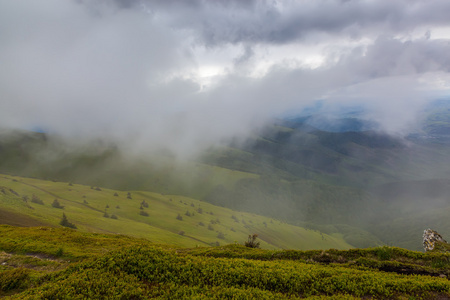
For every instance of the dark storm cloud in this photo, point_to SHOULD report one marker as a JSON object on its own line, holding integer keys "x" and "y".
{"x": 218, "y": 22}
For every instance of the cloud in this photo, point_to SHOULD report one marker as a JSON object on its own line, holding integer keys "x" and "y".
{"x": 132, "y": 71}
{"x": 274, "y": 22}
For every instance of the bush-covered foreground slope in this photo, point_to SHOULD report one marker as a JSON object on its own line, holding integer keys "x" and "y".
{"x": 56, "y": 263}
{"x": 158, "y": 217}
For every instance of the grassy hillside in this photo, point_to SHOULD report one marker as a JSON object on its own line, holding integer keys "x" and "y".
{"x": 160, "y": 218}
{"x": 56, "y": 263}
{"x": 302, "y": 176}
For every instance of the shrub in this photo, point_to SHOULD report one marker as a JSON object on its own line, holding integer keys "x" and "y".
{"x": 59, "y": 252}
{"x": 221, "y": 235}
{"x": 187, "y": 213}
{"x": 251, "y": 242}
{"x": 114, "y": 217}
{"x": 65, "y": 222}
{"x": 129, "y": 195}
{"x": 116, "y": 195}
{"x": 105, "y": 215}
{"x": 37, "y": 200}
{"x": 210, "y": 227}
{"x": 56, "y": 204}
{"x": 200, "y": 210}
{"x": 181, "y": 232}
{"x": 143, "y": 213}
{"x": 14, "y": 192}
{"x": 201, "y": 224}
{"x": 179, "y": 217}
{"x": 144, "y": 204}
{"x": 13, "y": 279}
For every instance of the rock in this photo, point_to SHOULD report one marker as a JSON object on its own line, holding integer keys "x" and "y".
{"x": 430, "y": 237}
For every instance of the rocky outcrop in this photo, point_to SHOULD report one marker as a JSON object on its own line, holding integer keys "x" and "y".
{"x": 430, "y": 238}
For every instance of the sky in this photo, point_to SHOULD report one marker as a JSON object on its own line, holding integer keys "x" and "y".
{"x": 185, "y": 75}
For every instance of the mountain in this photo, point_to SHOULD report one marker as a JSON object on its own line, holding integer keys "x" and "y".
{"x": 361, "y": 185}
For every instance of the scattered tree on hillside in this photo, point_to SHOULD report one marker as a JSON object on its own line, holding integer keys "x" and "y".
{"x": 187, "y": 213}
{"x": 221, "y": 235}
{"x": 143, "y": 213}
{"x": 105, "y": 215}
{"x": 114, "y": 217}
{"x": 179, "y": 217}
{"x": 56, "y": 204}
{"x": 65, "y": 222}
{"x": 144, "y": 204}
{"x": 251, "y": 242}
{"x": 116, "y": 195}
{"x": 129, "y": 195}
{"x": 37, "y": 200}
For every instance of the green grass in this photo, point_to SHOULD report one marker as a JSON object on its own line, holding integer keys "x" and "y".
{"x": 105, "y": 266}
{"x": 202, "y": 224}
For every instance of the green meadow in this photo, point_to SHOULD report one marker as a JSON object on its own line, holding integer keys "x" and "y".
{"x": 160, "y": 218}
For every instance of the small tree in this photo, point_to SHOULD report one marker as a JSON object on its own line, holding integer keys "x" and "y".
{"x": 56, "y": 204}
{"x": 37, "y": 200}
{"x": 129, "y": 195}
{"x": 65, "y": 222}
{"x": 251, "y": 242}
{"x": 179, "y": 217}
